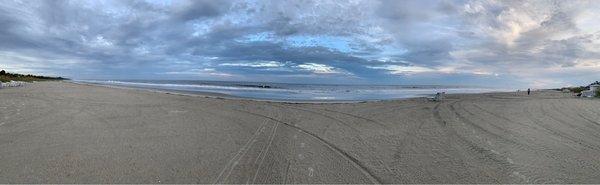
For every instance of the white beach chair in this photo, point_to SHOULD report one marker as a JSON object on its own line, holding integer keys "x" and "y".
{"x": 16, "y": 84}
{"x": 11, "y": 84}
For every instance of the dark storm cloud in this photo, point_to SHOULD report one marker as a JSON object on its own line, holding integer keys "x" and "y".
{"x": 200, "y": 9}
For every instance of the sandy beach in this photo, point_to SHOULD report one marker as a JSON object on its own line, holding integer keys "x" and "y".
{"x": 59, "y": 132}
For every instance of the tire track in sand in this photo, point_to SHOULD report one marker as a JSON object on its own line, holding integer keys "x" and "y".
{"x": 563, "y": 135}
{"x": 379, "y": 162}
{"x": 486, "y": 155}
{"x": 229, "y": 167}
{"x": 264, "y": 153}
{"x": 355, "y": 162}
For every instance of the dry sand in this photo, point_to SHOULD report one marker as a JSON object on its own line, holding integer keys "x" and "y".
{"x": 58, "y": 132}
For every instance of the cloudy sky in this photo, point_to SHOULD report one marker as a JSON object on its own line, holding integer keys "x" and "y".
{"x": 490, "y": 43}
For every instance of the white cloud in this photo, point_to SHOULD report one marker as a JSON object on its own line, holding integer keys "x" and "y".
{"x": 200, "y": 72}
{"x": 398, "y": 69}
{"x": 263, "y": 64}
{"x": 319, "y": 68}
{"x": 36, "y": 63}
{"x": 100, "y": 42}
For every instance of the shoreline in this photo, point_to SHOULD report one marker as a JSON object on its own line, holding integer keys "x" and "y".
{"x": 232, "y": 97}
{"x": 221, "y": 95}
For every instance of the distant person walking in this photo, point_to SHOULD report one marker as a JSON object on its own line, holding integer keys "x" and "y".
{"x": 528, "y": 91}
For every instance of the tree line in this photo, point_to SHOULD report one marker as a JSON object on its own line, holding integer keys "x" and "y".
{"x": 7, "y": 77}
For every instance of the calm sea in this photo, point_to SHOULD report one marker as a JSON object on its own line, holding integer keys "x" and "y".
{"x": 296, "y": 92}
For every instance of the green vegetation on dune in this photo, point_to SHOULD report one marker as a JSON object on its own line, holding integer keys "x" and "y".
{"x": 577, "y": 89}
{"x": 7, "y": 77}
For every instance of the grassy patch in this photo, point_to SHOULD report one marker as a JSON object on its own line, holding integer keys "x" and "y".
{"x": 577, "y": 89}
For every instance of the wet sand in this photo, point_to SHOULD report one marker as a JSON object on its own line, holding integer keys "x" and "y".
{"x": 58, "y": 132}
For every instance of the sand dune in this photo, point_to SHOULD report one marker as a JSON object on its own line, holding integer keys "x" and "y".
{"x": 57, "y": 132}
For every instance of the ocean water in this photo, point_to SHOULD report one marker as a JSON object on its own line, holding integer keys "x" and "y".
{"x": 294, "y": 92}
